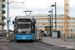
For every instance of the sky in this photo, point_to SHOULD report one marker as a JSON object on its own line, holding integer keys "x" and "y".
{"x": 37, "y": 6}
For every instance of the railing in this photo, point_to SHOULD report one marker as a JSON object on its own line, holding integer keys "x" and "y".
{"x": 11, "y": 37}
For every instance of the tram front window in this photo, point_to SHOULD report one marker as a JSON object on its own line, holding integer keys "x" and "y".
{"x": 24, "y": 27}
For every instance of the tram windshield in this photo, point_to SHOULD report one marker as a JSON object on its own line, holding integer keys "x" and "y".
{"x": 24, "y": 26}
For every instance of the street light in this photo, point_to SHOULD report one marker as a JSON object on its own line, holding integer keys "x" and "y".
{"x": 8, "y": 14}
{"x": 50, "y": 23}
{"x": 52, "y": 17}
{"x": 55, "y": 14}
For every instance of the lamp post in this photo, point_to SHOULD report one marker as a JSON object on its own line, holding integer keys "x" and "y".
{"x": 50, "y": 23}
{"x": 55, "y": 15}
{"x": 52, "y": 17}
{"x": 8, "y": 14}
{"x": 8, "y": 17}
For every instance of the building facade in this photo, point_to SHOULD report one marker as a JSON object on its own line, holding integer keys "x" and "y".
{"x": 43, "y": 20}
{"x": 2, "y": 17}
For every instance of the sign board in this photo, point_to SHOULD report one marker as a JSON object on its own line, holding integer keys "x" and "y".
{"x": 54, "y": 34}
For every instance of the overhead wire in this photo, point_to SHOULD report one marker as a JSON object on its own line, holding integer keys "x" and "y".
{"x": 24, "y": 5}
{"x": 9, "y": 2}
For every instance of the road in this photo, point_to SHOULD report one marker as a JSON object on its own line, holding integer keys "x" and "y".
{"x": 2, "y": 40}
{"x": 27, "y": 45}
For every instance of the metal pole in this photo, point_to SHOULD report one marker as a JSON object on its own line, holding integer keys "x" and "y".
{"x": 8, "y": 17}
{"x": 50, "y": 24}
{"x": 64, "y": 37}
{"x": 55, "y": 18}
{"x": 2, "y": 27}
{"x": 52, "y": 18}
{"x": 71, "y": 29}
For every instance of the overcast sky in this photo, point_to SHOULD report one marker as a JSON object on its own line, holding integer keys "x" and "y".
{"x": 38, "y": 7}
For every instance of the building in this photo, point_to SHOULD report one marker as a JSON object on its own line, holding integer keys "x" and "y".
{"x": 42, "y": 21}
{"x": 2, "y": 17}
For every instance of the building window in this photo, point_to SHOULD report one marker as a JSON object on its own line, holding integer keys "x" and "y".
{"x": 69, "y": 27}
{"x": 0, "y": 18}
{"x": 58, "y": 20}
{"x": 48, "y": 24}
{"x": 40, "y": 20}
{"x": 61, "y": 27}
{"x": 69, "y": 24}
{"x": 53, "y": 23}
{"x": 58, "y": 24}
{"x": 61, "y": 23}
{"x": 43, "y": 27}
{"x": 43, "y": 20}
{"x": 61, "y": 20}
{"x": 40, "y": 24}
{"x": 72, "y": 27}
{"x": 53, "y": 20}
{"x": 37, "y": 24}
{"x": 72, "y": 20}
{"x": 72, "y": 23}
{"x": 0, "y": 12}
{"x": 40, "y": 27}
{"x": 44, "y": 24}
{"x": 0, "y": 26}
{"x": 73, "y": 31}
{"x": 37, "y": 20}
{"x": 53, "y": 27}
{"x": 0, "y": 6}
{"x": 58, "y": 27}
{"x": 47, "y": 21}
{"x": 61, "y": 30}
{"x": 37, "y": 27}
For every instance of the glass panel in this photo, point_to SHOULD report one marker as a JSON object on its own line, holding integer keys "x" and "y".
{"x": 43, "y": 20}
{"x": 24, "y": 26}
{"x": 72, "y": 23}
{"x": 61, "y": 23}
{"x": 72, "y": 20}
{"x": 53, "y": 20}
{"x": 44, "y": 24}
{"x": 37, "y": 21}
{"x": 58, "y": 24}
{"x": 61, "y": 20}
{"x": 40, "y": 24}
{"x": 40, "y": 20}
{"x": 58, "y": 27}
{"x": 58, "y": 20}
{"x": 47, "y": 21}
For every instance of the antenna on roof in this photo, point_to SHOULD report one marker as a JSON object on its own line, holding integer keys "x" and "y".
{"x": 28, "y": 12}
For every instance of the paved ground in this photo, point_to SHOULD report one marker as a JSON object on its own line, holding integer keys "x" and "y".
{"x": 32, "y": 46}
{"x": 58, "y": 42}
{"x": 2, "y": 37}
{"x": 70, "y": 40}
{"x": 2, "y": 40}
{"x": 28, "y": 45}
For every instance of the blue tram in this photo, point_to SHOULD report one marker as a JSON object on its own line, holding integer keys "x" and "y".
{"x": 24, "y": 28}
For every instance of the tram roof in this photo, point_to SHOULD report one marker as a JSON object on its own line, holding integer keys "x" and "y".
{"x": 22, "y": 17}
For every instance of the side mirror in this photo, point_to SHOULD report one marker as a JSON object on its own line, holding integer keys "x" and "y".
{"x": 13, "y": 22}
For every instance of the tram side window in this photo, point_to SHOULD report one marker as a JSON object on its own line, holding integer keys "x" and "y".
{"x": 15, "y": 28}
{"x": 33, "y": 28}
